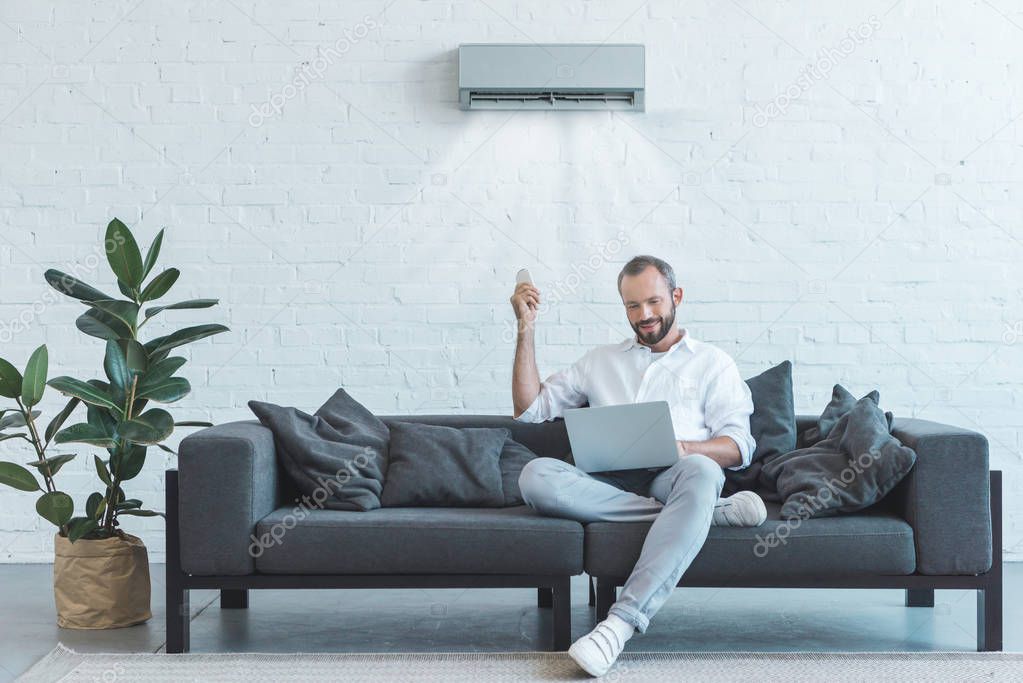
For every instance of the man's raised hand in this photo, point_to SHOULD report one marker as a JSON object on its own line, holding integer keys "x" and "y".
{"x": 525, "y": 301}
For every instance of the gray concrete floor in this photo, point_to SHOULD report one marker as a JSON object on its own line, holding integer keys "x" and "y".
{"x": 507, "y": 620}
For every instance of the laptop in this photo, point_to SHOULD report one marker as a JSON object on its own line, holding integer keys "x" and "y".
{"x": 623, "y": 437}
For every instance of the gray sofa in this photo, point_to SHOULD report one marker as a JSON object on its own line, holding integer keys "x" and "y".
{"x": 232, "y": 525}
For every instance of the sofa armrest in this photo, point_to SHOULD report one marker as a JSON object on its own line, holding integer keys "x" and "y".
{"x": 946, "y": 497}
{"x": 228, "y": 481}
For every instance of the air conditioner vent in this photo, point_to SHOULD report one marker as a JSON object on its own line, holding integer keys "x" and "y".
{"x": 551, "y": 76}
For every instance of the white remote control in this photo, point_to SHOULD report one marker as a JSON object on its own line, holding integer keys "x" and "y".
{"x": 523, "y": 276}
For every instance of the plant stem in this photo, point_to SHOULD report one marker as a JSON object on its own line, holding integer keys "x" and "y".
{"x": 44, "y": 468}
{"x": 131, "y": 397}
{"x": 108, "y": 523}
{"x": 115, "y": 482}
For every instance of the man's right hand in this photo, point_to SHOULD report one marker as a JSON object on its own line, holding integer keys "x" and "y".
{"x": 525, "y": 301}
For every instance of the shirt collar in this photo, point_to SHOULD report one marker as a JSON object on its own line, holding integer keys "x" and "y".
{"x": 686, "y": 341}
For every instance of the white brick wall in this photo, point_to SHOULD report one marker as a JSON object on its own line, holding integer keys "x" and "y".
{"x": 366, "y": 234}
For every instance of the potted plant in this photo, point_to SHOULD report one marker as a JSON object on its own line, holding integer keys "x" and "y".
{"x": 101, "y": 573}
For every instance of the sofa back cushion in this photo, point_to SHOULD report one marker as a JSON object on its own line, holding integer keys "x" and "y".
{"x": 773, "y": 422}
{"x": 438, "y": 466}
{"x": 773, "y": 425}
{"x": 514, "y": 457}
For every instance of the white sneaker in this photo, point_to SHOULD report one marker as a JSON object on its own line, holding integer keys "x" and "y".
{"x": 745, "y": 508}
{"x": 597, "y": 651}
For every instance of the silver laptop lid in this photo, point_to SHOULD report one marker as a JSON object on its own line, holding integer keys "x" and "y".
{"x": 622, "y": 437}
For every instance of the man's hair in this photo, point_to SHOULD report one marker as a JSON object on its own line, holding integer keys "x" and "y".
{"x": 637, "y": 264}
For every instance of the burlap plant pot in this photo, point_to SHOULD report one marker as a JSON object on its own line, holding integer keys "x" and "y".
{"x": 102, "y": 583}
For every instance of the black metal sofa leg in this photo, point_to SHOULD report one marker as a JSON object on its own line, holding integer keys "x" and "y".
{"x": 178, "y": 612}
{"x": 562, "y": 616}
{"x": 544, "y": 597}
{"x": 231, "y": 598}
{"x": 606, "y": 595}
{"x": 989, "y": 620}
{"x": 919, "y": 597}
{"x": 989, "y": 599}
{"x": 177, "y": 619}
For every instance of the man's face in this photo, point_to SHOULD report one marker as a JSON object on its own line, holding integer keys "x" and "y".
{"x": 650, "y": 305}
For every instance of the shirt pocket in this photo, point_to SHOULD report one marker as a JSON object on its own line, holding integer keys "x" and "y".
{"x": 686, "y": 401}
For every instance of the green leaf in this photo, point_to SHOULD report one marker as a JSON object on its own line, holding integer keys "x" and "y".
{"x": 163, "y": 369}
{"x": 135, "y": 356}
{"x": 16, "y": 435}
{"x": 72, "y": 286}
{"x": 94, "y": 505}
{"x": 138, "y": 406}
{"x": 99, "y": 384}
{"x": 70, "y": 386}
{"x": 55, "y": 506}
{"x": 130, "y": 464}
{"x": 101, "y": 418}
{"x": 123, "y": 254}
{"x": 193, "y": 423}
{"x": 83, "y": 432}
{"x": 165, "y": 390}
{"x": 191, "y": 303}
{"x": 166, "y": 449}
{"x": 150, "y": 427}
{"x": 125, "y": 311}
{"x": 141, "y": 513}
{"x": 183, "y": 336}
{"x": 154, "y": 355}
{"x": 18, "y": 477}
{"x": 54, "y": 462}
{"x": 80, "y": 527}
{"x": 129, "y": 504}
{"x": 61, "y": 418}
{"x": 34, "y": 382}
{"x": 116, "y": 367}
{"x": 16, "y": 419}
{"x": 10, "y": 380}
{"x": 100, "y": 324}
{"x": 160, "y": 285}
{"x": 152, "y": 254}
{"x": 101, "y": 470}
{"x": 126, "y": 290}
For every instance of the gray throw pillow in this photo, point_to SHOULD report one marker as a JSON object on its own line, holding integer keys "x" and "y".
{"x": 773, "y": 424}
{"x": 841, "y": 403}
{"x": 514, "y": 457}
{"x": 857, "y": 465}
{"x": 337, "y": 456}
{"x": 440, "y": 466}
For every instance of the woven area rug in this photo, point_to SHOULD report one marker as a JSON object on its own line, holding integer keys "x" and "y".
{"x": 63, "y": 664}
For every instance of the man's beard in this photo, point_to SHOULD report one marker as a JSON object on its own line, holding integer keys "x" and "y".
{"x": 659, "y": 333}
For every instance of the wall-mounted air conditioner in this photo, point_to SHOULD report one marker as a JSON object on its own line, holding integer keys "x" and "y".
{"x": 551, "y": 76}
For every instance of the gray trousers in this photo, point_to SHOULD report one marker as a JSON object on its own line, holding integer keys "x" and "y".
{"x": 679, "y": 500}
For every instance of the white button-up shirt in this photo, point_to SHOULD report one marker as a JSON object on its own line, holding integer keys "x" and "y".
{"x": 701, "y": 383}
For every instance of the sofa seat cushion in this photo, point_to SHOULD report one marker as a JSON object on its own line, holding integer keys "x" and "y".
{"x": 512, "y": 540}
{"x": 864, "y": 544}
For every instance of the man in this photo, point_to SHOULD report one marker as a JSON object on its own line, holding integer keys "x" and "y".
{"x": 710, "y": 408}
